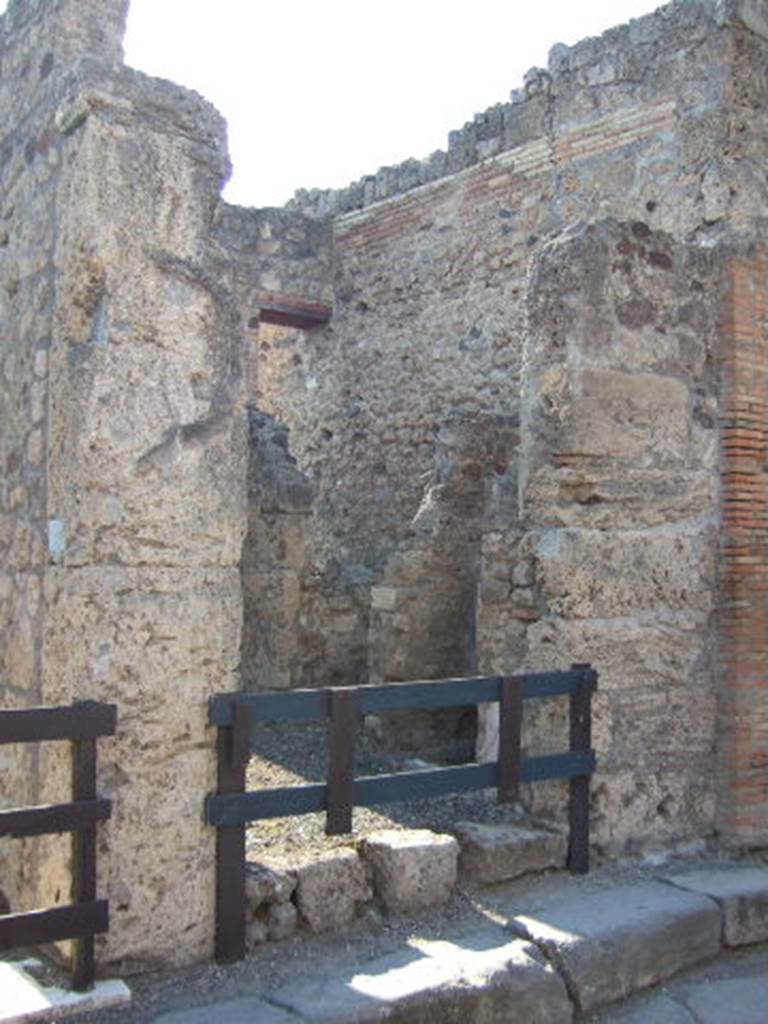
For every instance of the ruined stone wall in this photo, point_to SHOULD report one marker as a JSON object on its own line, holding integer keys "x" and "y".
{"x": 144, "y": 441}
{"x": 448, "y": 294}
{"x": 431, "y": 263}
{"x": 585, "y": 255}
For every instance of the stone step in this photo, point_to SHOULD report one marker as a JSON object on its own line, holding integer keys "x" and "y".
{"x": 480, "y": 976}
{"x": 501, "y": 852}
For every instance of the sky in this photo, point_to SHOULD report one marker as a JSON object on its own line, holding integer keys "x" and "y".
{"x": 317, "y": 93}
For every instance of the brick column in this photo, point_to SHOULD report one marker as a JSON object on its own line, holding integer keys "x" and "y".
{"x": 743, "y": 736}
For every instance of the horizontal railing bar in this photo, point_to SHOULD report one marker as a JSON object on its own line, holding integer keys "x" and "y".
{"x": 235, "y": 809}
{"x": 43, "y": 926}
{"x": 51, "y": 818}
{"x": 311, "y": 705}
{"x": 84, "y": 721}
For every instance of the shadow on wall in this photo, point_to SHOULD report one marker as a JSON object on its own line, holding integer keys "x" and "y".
{"x": 416, "y": 620}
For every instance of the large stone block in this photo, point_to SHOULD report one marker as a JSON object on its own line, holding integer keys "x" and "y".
{"x": 329, "y": 888}
{"x": 495, "y": 853}
{"x": 584, "y": 493}
{"x": 661, "y": 650}
{"x": 413, "y": 868}
{"x": 591, "y": 574}
{"x": 638, "y": 416}
{"x": 157, "y": 642}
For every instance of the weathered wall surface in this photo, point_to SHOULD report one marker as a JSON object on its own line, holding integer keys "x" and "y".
{"x": 277, "y": 649}
{"x": 431, "y": 263}
{"x": 144, "y": 473}
{"x": 618, "y": 501}
{"x": 584, "y": 255}
{"x": 36, "y": 42}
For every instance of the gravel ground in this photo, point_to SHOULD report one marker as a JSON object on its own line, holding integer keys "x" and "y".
{"x": 292, "y": 755}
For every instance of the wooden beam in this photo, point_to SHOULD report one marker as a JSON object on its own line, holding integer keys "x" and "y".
{"x": 53, "y": 818}
{"x": 85, "y": 720}
{"x": 290, "y": 311}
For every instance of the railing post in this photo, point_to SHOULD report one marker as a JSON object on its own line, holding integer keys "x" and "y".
{"x": 578, "y": 799}
{"x": 342, "y": 733}
{"x": 232, "y": 748}
{"x": 83, "y": 857}
{"x": 510, "y": 730}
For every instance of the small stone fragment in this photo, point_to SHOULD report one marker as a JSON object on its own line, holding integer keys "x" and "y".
{"x": 255, "y": 933}
{"x": 267, "y": 884}
{"x": 282, "y": 921}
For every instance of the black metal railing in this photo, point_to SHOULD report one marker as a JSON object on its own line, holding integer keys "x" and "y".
{"x": 81, "y": 723}
{"x": 231, "y": 807}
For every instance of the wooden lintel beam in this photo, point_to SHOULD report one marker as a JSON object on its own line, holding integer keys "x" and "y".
{"x": 290, "y": 311}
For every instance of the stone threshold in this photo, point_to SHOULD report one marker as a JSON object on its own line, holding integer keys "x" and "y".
{"x": 558, "y": 957}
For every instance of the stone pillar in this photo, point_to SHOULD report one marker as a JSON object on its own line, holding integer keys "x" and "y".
{"x": 142, "y": 490}
{"x": 38, "y": 43}
{"x": 743, "y": 690}
{"x": 619, "y": 511}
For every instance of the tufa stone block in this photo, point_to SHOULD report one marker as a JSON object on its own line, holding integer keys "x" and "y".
{"x": 329, "y": 887}
{"x": 495, "y": 853}
{"x": 615, "y": 942}
{"x": 481, "y": 977}
{"x": 412, "y": 869}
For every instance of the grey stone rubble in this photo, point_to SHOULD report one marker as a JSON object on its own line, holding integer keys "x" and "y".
{"x": 581, "y": 947}
{"x": 404, "y": 870}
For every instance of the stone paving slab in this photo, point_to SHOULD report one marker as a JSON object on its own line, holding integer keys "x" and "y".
{"x": 611, "y": 943}
{"x": 741, "y": 892}
{"x": 482, "y": 977}
{"x": 656, "y": 1009}
{"x": 24, "y": 1001}
{"x": 734, "y": 1001}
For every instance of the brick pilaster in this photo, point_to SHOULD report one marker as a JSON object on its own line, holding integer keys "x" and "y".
{"x": 743, "y": 734}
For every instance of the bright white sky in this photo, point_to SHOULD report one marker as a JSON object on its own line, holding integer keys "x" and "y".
{"x": 319, "y": 92}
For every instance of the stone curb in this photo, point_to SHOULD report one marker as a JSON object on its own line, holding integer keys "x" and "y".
{"x": 575, "y": 955}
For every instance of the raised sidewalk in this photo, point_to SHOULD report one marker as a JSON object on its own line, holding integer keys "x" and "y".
{"x": 549, "y": 950}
